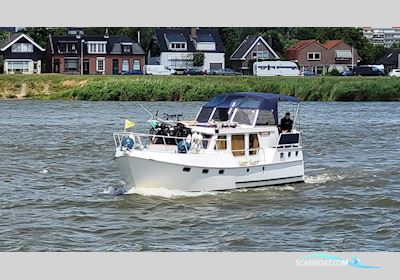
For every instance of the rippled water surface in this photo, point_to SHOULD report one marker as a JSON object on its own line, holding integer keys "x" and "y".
{"x": 58, "y": 180}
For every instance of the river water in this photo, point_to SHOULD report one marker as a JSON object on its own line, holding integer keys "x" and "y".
{"x": 58, "y": 184}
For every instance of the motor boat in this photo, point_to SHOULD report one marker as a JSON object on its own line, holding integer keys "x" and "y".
{"x": 234, "y": 142}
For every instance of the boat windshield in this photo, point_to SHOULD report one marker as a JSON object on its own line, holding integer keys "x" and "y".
{"x": 204, "y": 114}
{"x": 245, "y": 116}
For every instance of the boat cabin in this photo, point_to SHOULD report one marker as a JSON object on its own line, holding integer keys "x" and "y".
{"x": 242, "y": 124}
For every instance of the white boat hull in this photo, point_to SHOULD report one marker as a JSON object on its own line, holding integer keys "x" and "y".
{"x": 150, "y": 173}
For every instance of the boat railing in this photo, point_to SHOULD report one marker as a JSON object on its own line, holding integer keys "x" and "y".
{"x": 143, "y": 140}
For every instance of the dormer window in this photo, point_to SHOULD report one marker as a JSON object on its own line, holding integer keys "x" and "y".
{"x": 126, "y": 48}
{"x": 97, "y": 47}
{"x": 22, "y": 48}
{"x": 67, "y": 47}
{"x": 177, "y": 46}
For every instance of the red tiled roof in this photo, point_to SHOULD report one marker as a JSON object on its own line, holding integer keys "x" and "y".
{"x": 302, "y": 44}
{"x": 331, "y": 43}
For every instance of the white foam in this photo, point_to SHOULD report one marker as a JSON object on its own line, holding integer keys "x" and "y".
{"x": 44, "y": 171}
{"x": 166, "y": 193}
{"x": 322, "y": 178}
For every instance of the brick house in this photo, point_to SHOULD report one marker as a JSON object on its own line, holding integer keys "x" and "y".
{"x": 22, "y": 55}
{"x": 252, "y": 48}
{"x": 108, "y": 54}
{"x": 319, "y": 58}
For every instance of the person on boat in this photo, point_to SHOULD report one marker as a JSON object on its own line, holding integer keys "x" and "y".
{"x": 286, "y": 123}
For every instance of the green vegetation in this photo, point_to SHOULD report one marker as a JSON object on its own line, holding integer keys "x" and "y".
{"x": 183, "y": 88}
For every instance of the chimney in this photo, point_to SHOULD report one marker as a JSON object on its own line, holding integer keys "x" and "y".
{"x": 138, "y": 36}
{"x": 193, "y": 32}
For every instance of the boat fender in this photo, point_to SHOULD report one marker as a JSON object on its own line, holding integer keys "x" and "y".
{"x": 127, "y": 143}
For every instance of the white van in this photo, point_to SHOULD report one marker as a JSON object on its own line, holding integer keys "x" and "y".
{"x": 275, "y": 68}
{"x": 159, "y": 70}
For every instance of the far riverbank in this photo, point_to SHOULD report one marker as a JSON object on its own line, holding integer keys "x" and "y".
{"x": 195, "y": 88}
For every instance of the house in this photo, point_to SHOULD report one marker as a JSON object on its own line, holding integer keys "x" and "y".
{"x": 390, "y": 60}
{"x": 253, "y": 48}
{"x": 177, "y": 47}
{"x": 21, "y": 54}
{"x": 319, "y": 58}
{"x": 77, "y": 53}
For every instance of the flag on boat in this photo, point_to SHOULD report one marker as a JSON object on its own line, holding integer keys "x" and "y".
{"x": 129, "y": 124}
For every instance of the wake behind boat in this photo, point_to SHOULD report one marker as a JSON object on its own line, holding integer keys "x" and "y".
{"x": 234, "y": 142}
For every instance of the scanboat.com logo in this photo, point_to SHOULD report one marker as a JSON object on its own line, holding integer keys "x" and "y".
{"x": 321, "y": 259}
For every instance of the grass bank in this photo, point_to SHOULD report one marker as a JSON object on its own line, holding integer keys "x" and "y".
{"x": 151, "y": 88}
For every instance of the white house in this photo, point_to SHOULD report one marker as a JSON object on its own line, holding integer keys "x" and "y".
{"x": 176, "y": 48}
{"x": 21, "y": 55}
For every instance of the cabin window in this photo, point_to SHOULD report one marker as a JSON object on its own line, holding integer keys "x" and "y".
{"x": 253, "y": 144}
{"x": 221, "y": 143}
{"x": 237, "y": 145}
{"x": 282, "y": 155}
{"x": 289, "y": 154}
{"x": 186, "y": 169}
{"x": 221, "y": 171}
{"x": 245, "y": 116}
{"x": 297, "y": 153}
{"x": 205, "y": 171}
{"x": 204, "y": 114}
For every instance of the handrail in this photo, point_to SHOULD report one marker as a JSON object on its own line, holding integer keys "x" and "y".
{"x": 199, "y": 141}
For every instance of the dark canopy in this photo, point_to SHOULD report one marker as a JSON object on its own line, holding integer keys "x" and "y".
{"x": 250, "y": 100}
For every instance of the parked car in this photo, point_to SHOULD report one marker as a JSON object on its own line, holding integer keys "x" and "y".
{"x": 211, "y": 71}
{"x": 394, "y": 73}
{"x": 132, "y": 72}
{"x": 227, "y": 72}
{"x": 193, "y": 71}
{"x": 308, "y": 73}
{"x": 159, "y": 70}
{"x": 346, "y": 73}
{"x": 367, "y": 71}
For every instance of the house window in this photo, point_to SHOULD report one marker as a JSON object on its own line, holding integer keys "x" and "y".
{"x": 314, "y": 56}
{"x": 96, "y": 47}
{"x": 177, "y": 46}
{"x": 260, "y": 55}
{"x": 22, "y": 48}
{"x": 100, "y": 67}
{"x": 125, "y": 65}
{"x": 71, "y": 64}
{"x": 136, "y": 64}
{"x": 18, "y": 66}
{"x": 67, "y": 48}
{"x": 126, "y": 48}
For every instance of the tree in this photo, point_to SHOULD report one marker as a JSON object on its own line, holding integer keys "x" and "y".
{"x": 40, "y": 34}
{"x": 198, "y": 59}
{"x": 3, "y": 36}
